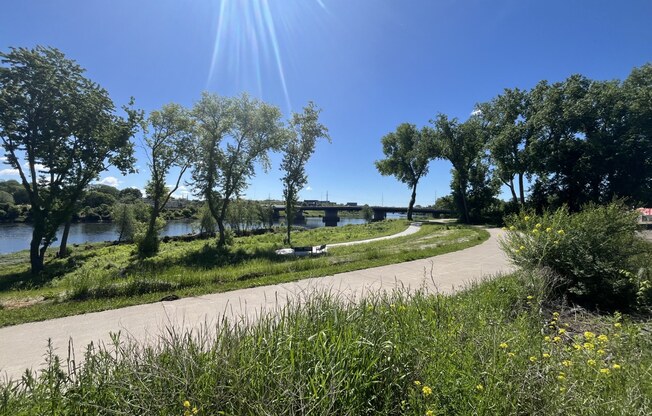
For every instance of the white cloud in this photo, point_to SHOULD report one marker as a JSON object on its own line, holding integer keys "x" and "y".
{"x": 110, "y": 180}
{"x": 308, "y": 188}
{"x": 9, "y": 172}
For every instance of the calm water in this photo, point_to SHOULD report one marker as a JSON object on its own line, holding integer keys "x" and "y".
{"x": 16, "y": 237}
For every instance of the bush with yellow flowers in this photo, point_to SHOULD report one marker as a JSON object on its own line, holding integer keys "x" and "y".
{"x": 596, "y": 256}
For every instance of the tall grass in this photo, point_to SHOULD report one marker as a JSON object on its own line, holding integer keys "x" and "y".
{"x": 493, "y": 349}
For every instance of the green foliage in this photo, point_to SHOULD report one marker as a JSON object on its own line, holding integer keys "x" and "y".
{"x": 124, "y": 220}
{"x": 595, "y": 255}
{"x": 95, "y": 198}
{"x": 489, "y": 350}
{"x": 367, "y": 213}
{"x": 169, "y": 145}
{"x": 463, "y": 144}
{"x": 60, "y": 131}
{"x": 207, "y": 224}
{"x": 302, "y": 134}
{"x": 6, "y": 198}
{"x": 408, "y": 152}
{"x": 130, "y": 195}
{"x": 235, "y": 134}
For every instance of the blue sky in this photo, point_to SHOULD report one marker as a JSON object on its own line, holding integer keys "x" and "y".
{"x": 369, "y": 64}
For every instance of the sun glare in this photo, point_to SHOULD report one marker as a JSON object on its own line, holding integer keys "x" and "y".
{"x": 246, "y": 45}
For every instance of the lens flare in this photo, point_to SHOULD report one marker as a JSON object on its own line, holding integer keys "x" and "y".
{"x": 247, "y": 44}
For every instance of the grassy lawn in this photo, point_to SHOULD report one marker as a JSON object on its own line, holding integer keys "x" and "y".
{"x": 100, "y": 277}
{"x": 495, "y": 349}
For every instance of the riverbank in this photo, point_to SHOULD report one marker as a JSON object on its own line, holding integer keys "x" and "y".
{"x": 112, "y": 277}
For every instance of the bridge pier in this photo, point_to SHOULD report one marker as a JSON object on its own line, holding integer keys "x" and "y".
{"x": 330, "y": 218}
{"x": 379, "y": 215}
{"x": 299, "y": 218}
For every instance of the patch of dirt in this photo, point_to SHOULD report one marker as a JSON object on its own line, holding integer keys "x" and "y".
{"x": 21, "y": 303}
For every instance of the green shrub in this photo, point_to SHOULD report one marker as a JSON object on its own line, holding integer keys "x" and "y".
{"x": 596, "y": 254}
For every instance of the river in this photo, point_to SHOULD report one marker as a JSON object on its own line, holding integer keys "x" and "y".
{"x": 16, "y": 237}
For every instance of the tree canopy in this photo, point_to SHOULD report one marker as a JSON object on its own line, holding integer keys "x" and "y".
{"x": 302, "y": 134}
{"x": 235, "y": 134}
{"x": 59, "y": 130}
{"x": 408, "y": 152}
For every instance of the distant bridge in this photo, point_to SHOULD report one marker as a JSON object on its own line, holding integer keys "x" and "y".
{"x": 331, "y": 216}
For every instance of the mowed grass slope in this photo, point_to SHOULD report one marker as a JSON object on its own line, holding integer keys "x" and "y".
{"x": 103, "y": 277}
{"x": 495, "y": 349}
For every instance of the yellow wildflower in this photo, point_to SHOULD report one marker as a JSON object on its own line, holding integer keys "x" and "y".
{"x": 603, "y": 338}
{"x": 417, "y": 383}
{"x": 521, "y": 248}
{"x": 588, "y": 346}
{"x": 562, "y": 331}
{"x": 535, "y": 231}
{"x": 427, "y": 391}
{"x": 560, "y": 232}
{"x": 561, "y": 377}
{"x": 548, "y": 229}
{"x": 527, "y": 218}
{"x": 546, "y": 355}
{"x": 605, "y": 371}
{"x": 555, "y": 314}
{"x": 567, "y": 363}
{"x": 195, "y": 410}
{"x": 503, "y": 345}
{"x": 588, "y": 335}
{"x": 616, "y": 366}
{"x": 479, "y": 387}
{"x": 577, "y": 347}
{"x": 546, "y": 338}
{"x": 591, "y": 362}
{"x": 538, "y": 225}
{"x": 618, "y": 324}
{"x": 512, "y": 228}
{"x": 510, "y": 354}
{"x": 533, "y": 359}
{"x": 556, "y": 339}
{"x": 186, "y": 404}
{"x": 530, "y": 297}
{"x": 430, "y": 413}
{"x": 600, "y": 352}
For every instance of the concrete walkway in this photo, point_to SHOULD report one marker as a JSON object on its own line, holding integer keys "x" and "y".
{"x": 23, "y": 346}
{"x": 412, "y": 228}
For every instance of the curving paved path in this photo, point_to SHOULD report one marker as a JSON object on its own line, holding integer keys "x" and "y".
{"x": 23, "y": 346}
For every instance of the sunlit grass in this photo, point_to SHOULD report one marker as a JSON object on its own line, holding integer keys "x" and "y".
{"x": 493, "y": 349}
{"x": 109, "y": 277}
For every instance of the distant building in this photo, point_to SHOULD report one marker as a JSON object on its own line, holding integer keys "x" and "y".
{"x": 351, "y": 204}
{"x": 644, "y": 215}
{"x": 310, "y": 202}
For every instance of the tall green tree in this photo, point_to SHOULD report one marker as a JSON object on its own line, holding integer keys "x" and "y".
{"x": 170, "y": 145}
{"x": 60, "y": 131}
{"x": 508, "y": 119}
{"x": 408, "y": 152}
{"x": 463, "y": 144}
{"x": 235, "y": 134}
{"x": 303, "y": 131}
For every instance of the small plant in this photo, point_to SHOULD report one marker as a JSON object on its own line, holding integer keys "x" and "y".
{"x": 595, "y": 254}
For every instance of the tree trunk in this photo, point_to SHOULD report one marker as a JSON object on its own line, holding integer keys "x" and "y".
{"x": 221, "y": 242}
{"x": 64, "y": 239}
{"x": 464, "y": 206}
{"x": 520, "y": 188}
{"x": 510, "y": 185}
{"x": 35, "y": 259}
{"x": 412, "y": 200}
